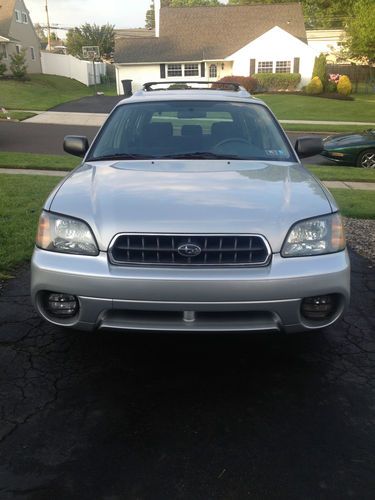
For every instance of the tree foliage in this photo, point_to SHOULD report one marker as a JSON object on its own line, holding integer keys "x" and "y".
{"x": 320, "y": 69}
{"x": 91, "y": 34}
{"x": 3, "y": 66}
{"x": 361, "y": 31}
{"x": 317, "y": 13}
{"x": 18, "y": 66}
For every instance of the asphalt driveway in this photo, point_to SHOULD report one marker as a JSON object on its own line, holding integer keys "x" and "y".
{"x": 153, "y": 416}
{"x": 90, "y": 104}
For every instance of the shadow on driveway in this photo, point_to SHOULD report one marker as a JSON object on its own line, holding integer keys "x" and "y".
{"x": 90, "y": 104}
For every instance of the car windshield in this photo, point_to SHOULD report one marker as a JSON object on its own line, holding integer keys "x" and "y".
{"x": 191, "y": 129}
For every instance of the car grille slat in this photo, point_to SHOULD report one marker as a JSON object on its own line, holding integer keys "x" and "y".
{"x": 213, "y": 250}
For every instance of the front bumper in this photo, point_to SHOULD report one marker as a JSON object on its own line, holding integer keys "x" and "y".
{"x": 227, "y": 299}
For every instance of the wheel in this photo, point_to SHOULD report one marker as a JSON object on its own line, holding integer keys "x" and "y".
{"x": 366, "y": 159}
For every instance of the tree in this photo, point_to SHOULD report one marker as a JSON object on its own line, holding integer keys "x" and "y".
{"x": 361, "y": 41}
{"x": 18, "y": 65}
{"x": 320, "y": 69}
{"x": 40, "y": 32}
{"x": 150, "y": 17}
{"x": 91, "y": 34}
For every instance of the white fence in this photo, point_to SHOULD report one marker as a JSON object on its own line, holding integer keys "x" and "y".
{"x": 71, "y": 67}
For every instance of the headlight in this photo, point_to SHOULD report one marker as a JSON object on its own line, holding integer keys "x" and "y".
{"x": 316, "y": 236}
{"x": 59, "y": 233}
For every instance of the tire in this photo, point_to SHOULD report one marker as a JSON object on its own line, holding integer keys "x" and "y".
{"x": 366, "y": 159}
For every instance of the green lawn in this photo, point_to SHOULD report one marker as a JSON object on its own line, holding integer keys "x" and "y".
{"x": 346, "y": 174}
{"x": 301, "y": 107}
{"x": 324, "y": 129}
{"x": 21, "y": 199}
{"x": 38, "y": 161}
{"x": 16, "y": 115}
{"x": 44, "y": 91}
{"x": 355, "y": 204}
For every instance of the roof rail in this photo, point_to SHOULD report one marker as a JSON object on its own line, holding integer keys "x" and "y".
{"x": 185, "y": 85}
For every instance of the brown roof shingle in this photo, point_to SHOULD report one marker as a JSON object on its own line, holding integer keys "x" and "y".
{"x": 6, "y": 15}
{"x": 209, "y": 33}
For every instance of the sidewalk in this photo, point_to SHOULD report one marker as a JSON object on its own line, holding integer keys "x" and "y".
{"x": 363, "y": 186}
{"x": 97, "y": 120}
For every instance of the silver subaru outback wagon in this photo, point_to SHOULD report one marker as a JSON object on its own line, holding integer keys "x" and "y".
{"x": 191, "y": 211}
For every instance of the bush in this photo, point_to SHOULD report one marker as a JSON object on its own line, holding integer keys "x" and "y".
{"x": 18, "y": 65}
{"x": 277, "y": 81}
{"x": 315, "y": 86}
{"x": 331, "y": 87}
{"x": 344, "y": 86}
{"x": 320, "y": 69}
{"x": 248, "y": 82}
{"x": 3, "y": 67}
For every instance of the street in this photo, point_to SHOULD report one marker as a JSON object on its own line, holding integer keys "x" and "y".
{"x": 153, "y": 416}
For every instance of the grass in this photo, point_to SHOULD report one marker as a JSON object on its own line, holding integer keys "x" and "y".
{"x": 21, "y": 199}
{"x": 44, "y": 92}
{"x": 328, "y": 129}
{"x": 16, "y": 115}
{"x": 301, "y": 107}
{"x": 345, "y": 174}
{"x": 355, "y": 204}
{"x": 37, "y": 161}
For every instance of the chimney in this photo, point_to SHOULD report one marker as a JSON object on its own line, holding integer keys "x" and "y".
{"x": 157, "y": 17}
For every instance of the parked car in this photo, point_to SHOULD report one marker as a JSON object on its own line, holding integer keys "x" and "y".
{"x": 191, "y": 211}
{"x": 351, "y": 149}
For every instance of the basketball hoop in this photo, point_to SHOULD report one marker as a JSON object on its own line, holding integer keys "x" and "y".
{"x": 91, "y": 52}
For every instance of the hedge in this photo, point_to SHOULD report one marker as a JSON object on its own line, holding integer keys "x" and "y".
{"x": 249, "y": 83}
{"x": 277, "y": 81}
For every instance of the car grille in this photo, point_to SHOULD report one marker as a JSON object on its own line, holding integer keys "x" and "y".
{"x": 173, "y": 250}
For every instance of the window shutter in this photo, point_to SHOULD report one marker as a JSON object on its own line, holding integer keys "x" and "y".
{"x": 203, "y": 70}
{"x": 252, "y": 66}
{"x": 162, "y": 71}
{"x": 296, "y": 65}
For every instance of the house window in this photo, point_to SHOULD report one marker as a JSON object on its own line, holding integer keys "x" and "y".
{"x": 191, "y": 70}
{"x": 24, "y": 18}
{"x": 18, "y": 16}
{"x": 265, "y": 66}
{"x": 174, "y": 69}
{"x": 213, "y": 71}
{"x": 283, "y": 66}
{"x": 18, "y": 49}
{"x": 32, "y": 52}
{"x": 3, "y": 51}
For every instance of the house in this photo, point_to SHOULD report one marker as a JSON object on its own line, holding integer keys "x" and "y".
{"x": 208, "y": 43}
{"x": 328, "y": 42}
{"x": 17, "y": 33}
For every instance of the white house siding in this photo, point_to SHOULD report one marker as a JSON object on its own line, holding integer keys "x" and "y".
{"x": 71, "y": 67}
{"x": 139, "y": 74}
{"x": 275, "y": 45}
{"x": 328, "y": 42}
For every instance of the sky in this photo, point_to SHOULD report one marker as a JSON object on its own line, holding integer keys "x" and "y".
{"x": 121, "y": 13}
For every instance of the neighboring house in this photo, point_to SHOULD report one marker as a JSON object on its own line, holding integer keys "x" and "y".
{"x": 17, "y": 33}
{"x": 328, "y": 42}
{"x": 207, "y": 43}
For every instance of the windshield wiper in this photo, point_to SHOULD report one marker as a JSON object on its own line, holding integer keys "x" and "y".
{"x": 122, "y": 156}
{"x": 199, "y": 155}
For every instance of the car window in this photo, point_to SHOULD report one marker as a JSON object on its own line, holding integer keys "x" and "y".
{"x": 175, "y": 128}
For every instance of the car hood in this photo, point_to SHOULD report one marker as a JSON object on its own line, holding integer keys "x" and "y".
{"x": 184, "y": 196}
{"x": 343, "y": 140}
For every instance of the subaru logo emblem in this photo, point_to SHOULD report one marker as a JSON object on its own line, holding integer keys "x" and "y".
{"x": 189, "y": 250}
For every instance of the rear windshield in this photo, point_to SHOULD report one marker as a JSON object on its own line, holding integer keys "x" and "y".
{"x": 178, "y": 129}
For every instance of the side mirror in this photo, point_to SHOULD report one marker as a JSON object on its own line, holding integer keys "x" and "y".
{"x": 308, "y": 146}
{"x": 76, "y": 145}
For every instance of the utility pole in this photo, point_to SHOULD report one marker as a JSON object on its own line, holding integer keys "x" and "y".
{"x": 48, "y": 28}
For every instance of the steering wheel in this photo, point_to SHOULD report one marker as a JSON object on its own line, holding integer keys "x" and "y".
{"x": 232, "y": 139}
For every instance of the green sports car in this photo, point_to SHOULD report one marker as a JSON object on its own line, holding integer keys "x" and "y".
{"x": 351, "y": 149}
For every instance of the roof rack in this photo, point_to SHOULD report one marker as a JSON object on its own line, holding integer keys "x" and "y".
{"x": 185, "y": 85}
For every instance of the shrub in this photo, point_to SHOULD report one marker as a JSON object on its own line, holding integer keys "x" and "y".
{"x": 18, "y": 65}
{"x": 344, "y": 86}
{"x": 320, "y": 69}
{"x": 331, "y": 87}
{"x": 277, "y": 81}
{"x": 315, "y": 86}
{"x": 3, "y": 67}
{"x": 248, "y": 82}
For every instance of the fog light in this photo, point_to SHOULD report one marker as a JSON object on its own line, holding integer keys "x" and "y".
{"x": 318, "y": 308}
{"x": 62, "y": 305}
